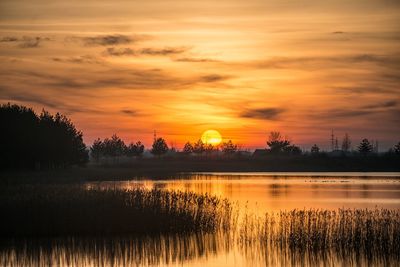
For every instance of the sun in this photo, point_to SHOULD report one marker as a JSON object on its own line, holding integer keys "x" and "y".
{"x": 211, "y": 137}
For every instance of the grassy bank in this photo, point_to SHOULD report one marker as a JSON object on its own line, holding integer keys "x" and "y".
{"x": 73, "y": 210}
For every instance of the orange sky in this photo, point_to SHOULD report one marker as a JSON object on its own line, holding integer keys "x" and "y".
{"x": 180, "y": 67}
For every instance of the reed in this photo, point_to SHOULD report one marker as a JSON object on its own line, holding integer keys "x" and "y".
{"x": 74, "y": 210}
{"x": 369, "y": 231}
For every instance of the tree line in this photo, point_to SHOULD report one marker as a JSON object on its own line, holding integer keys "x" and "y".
{"x": 48, "y": 141}
{"x": 44, "y": 141}
{"x": 114, "y": 147}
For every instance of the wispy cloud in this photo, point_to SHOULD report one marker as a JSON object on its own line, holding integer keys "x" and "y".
{"x": 168, "y": 51}
{"x": 86, "y": 59}
{"x": 25, "y": 41}
{"x": 129, "y": 112}
{"x": 262, "y": 113}
{"x": 195, "y": 60}
{"x": 213, "y": 78}
{"x": 105, "y": 40}
{"x": 386, "y": 104}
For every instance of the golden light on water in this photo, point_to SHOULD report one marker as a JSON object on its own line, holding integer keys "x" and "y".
{"x": 211, "y": 137}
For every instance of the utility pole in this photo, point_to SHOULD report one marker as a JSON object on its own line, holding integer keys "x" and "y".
{"x": 332, "y": 141}
{"x": 155, "y": 135}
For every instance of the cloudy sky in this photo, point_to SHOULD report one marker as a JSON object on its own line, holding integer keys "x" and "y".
{"x": 244, "y": 68}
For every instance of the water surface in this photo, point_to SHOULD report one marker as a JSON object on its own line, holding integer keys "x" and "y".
{"x": 284, "y": 191}
{"x": 254, "y": 192}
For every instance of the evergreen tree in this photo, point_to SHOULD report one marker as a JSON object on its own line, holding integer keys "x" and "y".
{"x": 396, "y": 149}
{"x": 198, "y": 147}
{"x": 188, "y": 148}
{"x": 276, "y": 143}
{"x": 365, "y": 147}
{"x": 229, "y": 147}
{"x": 315, "y": 149}
{"x": 45, "y": 141}
{"x": 159, "y": 147}
{"x": 135, "y": 150}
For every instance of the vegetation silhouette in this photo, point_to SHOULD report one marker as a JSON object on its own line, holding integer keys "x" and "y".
{"x": 43, "y": 211}
{"x": 47, "y": 141}
{"x": 159, "y": 147}
{"x": 314, "y": 150}
{"x": 365, "y": 147}
{"x": 115, "y": 148}
{"x": 279, "y": 145}
{"x": 62, "y": 210}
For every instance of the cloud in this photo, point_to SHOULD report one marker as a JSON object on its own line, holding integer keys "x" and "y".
{"x": 80, "y": 79}
{"x": 7, "y": 39}
{"x": 25, "y": 41}
{"x": 327, "y": 61}
{"x": 117, "y": 52}
{"x": 129, "y": 112}
{"x": 162, "y": 52}
{"x": 105, "y": 40}
{"x": 262, "y": 113}
{"x": 195, "y": 60}
{"x": 363, "y": 90}
{"x": 86, "y": 59}
{"x": 213, "y": 78}
{"x": 386, "y": 104}
{"x": 387, "y": 107}
{"x": 45, "y": 101}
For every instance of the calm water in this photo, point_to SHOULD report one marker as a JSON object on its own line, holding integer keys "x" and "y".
{"x": 254, "y": 192}
{"x": 277, "y": 191}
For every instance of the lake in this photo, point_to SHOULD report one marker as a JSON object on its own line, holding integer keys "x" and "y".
{"x": 254, "y": 193}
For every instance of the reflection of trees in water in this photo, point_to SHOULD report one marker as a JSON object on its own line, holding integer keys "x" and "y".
{"x": 277, "y": 190}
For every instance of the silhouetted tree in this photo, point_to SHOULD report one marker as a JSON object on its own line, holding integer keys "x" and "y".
{"x": 396, "y": 148}
{"x": 97, "y": 149}
{"x": 365, "y": 147}
{"x": 135, "y": 150}
{"x": 346, "y": 143}
{"x": 114, "y": 147}
{"x": 45, "y": 141}
{"x": 277, "y": 143}
{"x": 188, "y": 148}
{"x": 159, "y": 147}
{"x": 229, "y": 147}
{"x": 315, "y": 149}
{"x": 198, "y": 147}
{"x": 208, "y": 148}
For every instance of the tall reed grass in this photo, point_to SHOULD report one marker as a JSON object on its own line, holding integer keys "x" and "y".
{"x": 73, "y": 210}
{"x": 363, "y": 230}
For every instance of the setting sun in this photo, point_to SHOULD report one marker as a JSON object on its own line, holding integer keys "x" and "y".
{"x": 211, "y": 137}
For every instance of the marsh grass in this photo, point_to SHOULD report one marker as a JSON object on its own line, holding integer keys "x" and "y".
{"x": 367, "y": 232}
{"x": 74, "y": 210}
{"x": 171, "y": 222}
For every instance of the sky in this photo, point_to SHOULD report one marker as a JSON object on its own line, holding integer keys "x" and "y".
{"x": 243, "y": 68}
